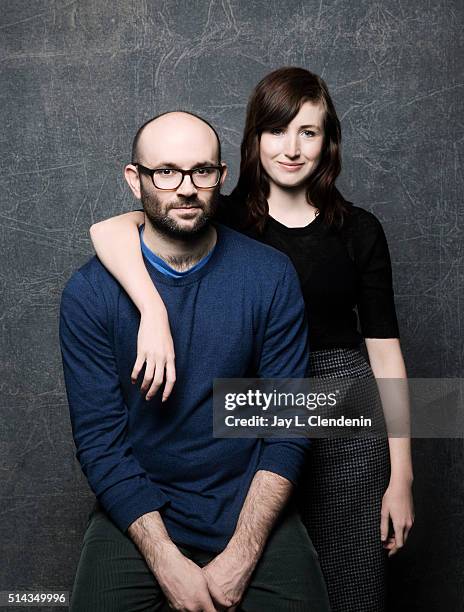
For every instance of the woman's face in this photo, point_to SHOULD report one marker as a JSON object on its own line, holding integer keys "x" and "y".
{"x": 290, "y": 153}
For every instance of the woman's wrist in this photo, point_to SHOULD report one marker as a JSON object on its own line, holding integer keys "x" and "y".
{"x": 152, "y": 305}
{"x": 401, "y": 478}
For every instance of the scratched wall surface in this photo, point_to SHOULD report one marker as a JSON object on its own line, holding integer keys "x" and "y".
{"x": 77, "y": 79}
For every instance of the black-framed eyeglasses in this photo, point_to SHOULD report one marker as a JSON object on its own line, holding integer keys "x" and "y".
{"x": 170, "y": 179}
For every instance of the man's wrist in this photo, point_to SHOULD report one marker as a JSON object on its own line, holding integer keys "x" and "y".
{"x": 149, "y": 534}
{"x": 245, "y": 556}
{"x": 161, "y": 552}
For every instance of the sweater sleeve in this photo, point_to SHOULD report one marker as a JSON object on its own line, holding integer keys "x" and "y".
{"x": 376, "y": 305}
{"x": 99, "y": 415}
{"x": 285, "y": 355}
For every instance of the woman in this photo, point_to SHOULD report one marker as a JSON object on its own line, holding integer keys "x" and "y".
{"x": 286, "y": 197}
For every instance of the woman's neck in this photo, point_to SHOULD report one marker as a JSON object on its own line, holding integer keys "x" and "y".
{"x": 290, "y": 206}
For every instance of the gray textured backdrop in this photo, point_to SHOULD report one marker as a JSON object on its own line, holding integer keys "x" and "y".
{"x": 79, "y": 77}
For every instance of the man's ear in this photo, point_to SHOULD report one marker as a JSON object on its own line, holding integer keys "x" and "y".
{"x": 133, "y": 180}
{"x": 224, "y": 173}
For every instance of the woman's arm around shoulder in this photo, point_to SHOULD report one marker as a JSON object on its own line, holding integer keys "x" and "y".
{"x": 117, "y": 243}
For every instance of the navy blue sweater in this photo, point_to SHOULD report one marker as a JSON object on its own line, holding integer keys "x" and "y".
{"x": 240, "y": 315}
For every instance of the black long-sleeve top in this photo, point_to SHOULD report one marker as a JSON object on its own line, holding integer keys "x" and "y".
{"x": 341, "y": 273}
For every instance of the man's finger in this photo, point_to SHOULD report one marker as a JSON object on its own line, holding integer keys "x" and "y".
{"x": 208, "y": 605}
{"x": 216, "y": 592}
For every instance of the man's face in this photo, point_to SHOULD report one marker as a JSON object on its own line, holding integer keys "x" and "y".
{"x": 178, "y": 141}
{"x": 176, "y": 214}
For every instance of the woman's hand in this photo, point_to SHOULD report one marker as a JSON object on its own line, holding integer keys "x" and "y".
{"x": 397, "y": 504}
{"x": 155, "y": 348}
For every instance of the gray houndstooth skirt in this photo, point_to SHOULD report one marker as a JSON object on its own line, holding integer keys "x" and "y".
{"x": 340, "y": 496}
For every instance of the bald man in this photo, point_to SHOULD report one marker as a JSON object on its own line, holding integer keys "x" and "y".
{"x": 185, "y": 519}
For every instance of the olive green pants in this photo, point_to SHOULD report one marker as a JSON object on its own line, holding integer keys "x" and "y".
{"x": 112, "y": 575}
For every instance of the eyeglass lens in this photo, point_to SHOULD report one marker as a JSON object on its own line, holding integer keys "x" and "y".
{"x": 168, "y": 178}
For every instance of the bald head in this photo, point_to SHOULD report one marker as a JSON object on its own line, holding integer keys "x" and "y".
{"x": 171, "y": 136}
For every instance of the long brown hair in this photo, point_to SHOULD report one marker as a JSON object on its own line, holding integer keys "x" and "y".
{"x": 274, "y": 102}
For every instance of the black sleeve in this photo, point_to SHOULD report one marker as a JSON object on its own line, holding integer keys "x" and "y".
{"x": 375, "y": 301}
{"x": 226, "y": 211}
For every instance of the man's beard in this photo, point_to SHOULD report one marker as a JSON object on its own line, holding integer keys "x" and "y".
{"x": 157, "y": 213}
